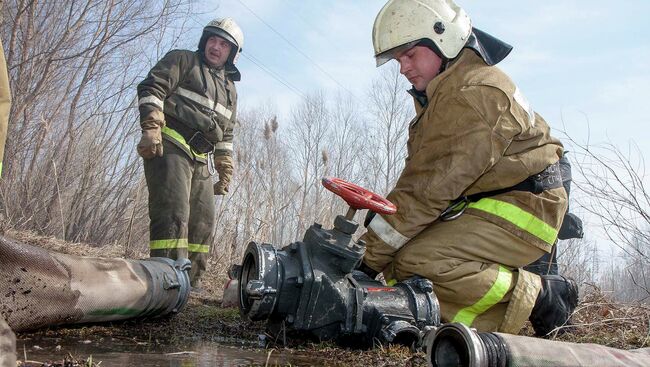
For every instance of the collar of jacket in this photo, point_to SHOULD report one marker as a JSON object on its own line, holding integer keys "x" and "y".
{"x": 230, "y": 70}
{"x": 218, "y": 72}
{"x": 419, "y": 97}
{"x": 464, "y": 58}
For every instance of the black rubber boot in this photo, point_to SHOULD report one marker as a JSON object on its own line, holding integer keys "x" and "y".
{"x": 555, "y": 304}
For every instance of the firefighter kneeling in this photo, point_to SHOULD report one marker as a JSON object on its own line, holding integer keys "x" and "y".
{"x": 481, "y": 195}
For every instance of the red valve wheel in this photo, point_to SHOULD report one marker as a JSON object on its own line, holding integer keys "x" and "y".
{"x": 358, "y": 197}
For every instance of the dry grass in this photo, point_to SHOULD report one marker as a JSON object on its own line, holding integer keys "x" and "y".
{"x": 53, "y": 244}
{"x": 600, "y": 320}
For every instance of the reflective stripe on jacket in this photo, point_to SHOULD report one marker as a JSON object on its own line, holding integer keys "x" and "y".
{"x": 477, "y": 133}
{"x": 191, "y": 93}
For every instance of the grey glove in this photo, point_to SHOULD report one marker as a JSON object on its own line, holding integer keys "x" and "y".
{"x": 224, "y": 166}
{"x": 220, "y": 188}
{"x": 150, "y": 144}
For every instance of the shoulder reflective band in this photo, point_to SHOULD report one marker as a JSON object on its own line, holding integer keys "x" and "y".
{"x": 205, "y": 102}
{"x": 151, "y": 100}
{"x": 179, "y": 138}
{"x": 387, "y": 233}
{"x": 223, "y": 146}
{"x": 196, "y": 247}
{"x": 523, "y": 102}
{"x": 168, "y": 244}
{"x": 492, "y": 297}
{"x": 518, "y": 217}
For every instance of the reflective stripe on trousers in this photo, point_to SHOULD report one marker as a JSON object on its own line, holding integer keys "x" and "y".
{"x": 493, "y": 296}
{"x": 168, "y": 244}
{"x": 178, "y": 243}
{"x": 196, "y": 247}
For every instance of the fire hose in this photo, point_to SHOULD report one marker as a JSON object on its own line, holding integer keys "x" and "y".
{"x": 456, "y": 345}
{"x": 42, "y": 288}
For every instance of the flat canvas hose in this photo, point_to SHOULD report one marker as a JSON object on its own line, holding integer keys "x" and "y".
{"x": 459, "y": 346}
{"x": 42, "y": 288}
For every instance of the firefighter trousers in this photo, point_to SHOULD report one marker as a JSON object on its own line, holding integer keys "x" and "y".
{"x": 476, "y": 270}
{"x": 181, "y": 208}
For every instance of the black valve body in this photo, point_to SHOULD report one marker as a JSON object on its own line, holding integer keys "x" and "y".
{"x": 310, "y": 287}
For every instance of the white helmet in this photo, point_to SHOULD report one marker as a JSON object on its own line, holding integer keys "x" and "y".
{"x": 227, "y": 29}
{"x": 401, "y": 24}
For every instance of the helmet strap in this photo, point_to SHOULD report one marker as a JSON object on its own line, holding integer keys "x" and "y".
{"x": 433, "y": 47}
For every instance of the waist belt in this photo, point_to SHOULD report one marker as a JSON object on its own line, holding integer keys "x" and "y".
{"x": 549, "y": 178}
{"x": 194, "y": 138}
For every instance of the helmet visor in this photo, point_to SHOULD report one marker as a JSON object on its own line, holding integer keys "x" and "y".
{"x": 214, "y": 31}
{"x": 393, "y": 53}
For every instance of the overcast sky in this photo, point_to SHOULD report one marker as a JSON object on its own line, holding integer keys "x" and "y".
{"x": 584, "y": 65}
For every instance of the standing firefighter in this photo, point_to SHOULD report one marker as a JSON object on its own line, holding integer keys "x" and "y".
{"x": 188, "y": 107}
{"x": 481, "y": 194}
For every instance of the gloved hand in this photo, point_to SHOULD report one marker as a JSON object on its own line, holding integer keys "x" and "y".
{"x": 150, "y": 144}
{"x": 369, "y": 216}
{"x": 367, "y": 270}
{"x": 220, "y": 188}
{"x": 224, "y": 166}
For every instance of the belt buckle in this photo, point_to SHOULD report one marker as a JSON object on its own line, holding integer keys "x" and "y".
{"x": 199, "y": 143}
{"x": 454, "y": 210}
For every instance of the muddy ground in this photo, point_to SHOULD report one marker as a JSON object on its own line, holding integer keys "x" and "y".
{"x": 598, "y": 320}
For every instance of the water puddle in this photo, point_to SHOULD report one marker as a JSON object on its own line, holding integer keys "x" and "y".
{"x": 125, "y": 353}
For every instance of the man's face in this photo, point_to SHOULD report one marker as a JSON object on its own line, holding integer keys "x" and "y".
{"x": 419, "y": 65}
{"x": 217, "y": 51}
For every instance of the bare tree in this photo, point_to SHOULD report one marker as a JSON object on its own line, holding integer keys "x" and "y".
{"x": 579, "y": 259}
{"x": 390, "y": 109}
{"x": 262, "y": 203}
{"x": 612, "y": 189}
{"x": 71, "y": 169}
{"x": 343, "y": 151}
{"x": 309, "y": 127}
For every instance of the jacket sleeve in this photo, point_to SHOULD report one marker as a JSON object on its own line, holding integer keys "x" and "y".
{"x": 225, "y": 146}
{"x": 459, "y": 142}
{"x": 161, "y": 81}
{"x": 223, "y": 151}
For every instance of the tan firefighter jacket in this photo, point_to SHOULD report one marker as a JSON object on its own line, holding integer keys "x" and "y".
{"x": 477, "y": 133}
{"x": 191, "y": 93}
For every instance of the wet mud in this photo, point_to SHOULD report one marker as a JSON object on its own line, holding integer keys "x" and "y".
{"x": 204, "y": 334}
